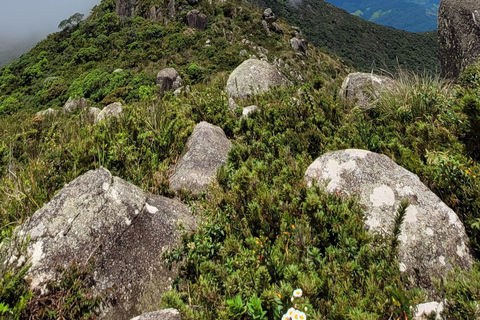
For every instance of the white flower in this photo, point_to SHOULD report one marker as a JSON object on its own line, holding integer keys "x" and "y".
{"x": 296, "y": 315}
{"x": 297, "y": 293}
{"x": 286, "y": 317}
{"x": 290, "y": 312}
{"x": 302, "y": 316}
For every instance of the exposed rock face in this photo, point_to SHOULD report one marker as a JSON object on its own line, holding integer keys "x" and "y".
{"x": 165, "y": 314}
{"x": 123, "y": 229}
{"x": 169, "y": 79}
{"x": 126, "y": 8}
{"x": 155, "y": 14}
{"x": 299, "y": 44}
{"x": 197, "y": 20}
{"x": 362, "y": 88}
{"x": 252, "y": 77}
{"x": 94, "y": 112}
{"x": 206, "y": 151}
{"x": 459, "y": 35}
{"x": 432, "y": 240}
{"x": 110, "y": 111}
{"x": 74, "y": 104}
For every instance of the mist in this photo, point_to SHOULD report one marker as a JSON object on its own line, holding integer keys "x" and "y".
{"x": 34, "y": 19}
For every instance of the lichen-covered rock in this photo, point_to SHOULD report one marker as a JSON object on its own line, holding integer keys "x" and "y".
{"x": 165, "y": 314}
{"x": 361, "y": 89}
{"x": 124, "y": 230}
{"x": 248, "y": 110}
{"x": 269, "y": 16}
{"x": 197, "y": 20}
{"x": 74, "y": 104}
{"x": 206, "y": 151}
{"x": 93, "y": 112}
{"x": 252, "y": 77}
{"x": 169, "y": 79}
{"x": 299, "y": 44}
{"x": 110, "y": 111}
{"x": 432, "y": 239}
{"x": 459, "y": 35}
{"x": 126, "y": 8}
{"x": 423, "y": 311}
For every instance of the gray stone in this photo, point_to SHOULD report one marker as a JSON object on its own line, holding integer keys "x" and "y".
{"x": 243, "y": 53}
{"x": 197, "y": 20}
{"x": 252, "y": 77}
{"x": 265, "y": 26}
{"x": 192, "y": 2}
{"x": 432, "y": 239}
{"x": 155, "y": 14}
{"x": 165, "y": 314}
{"x": 424, "y": 310}
{"x": 123, "y": 229}
{"x": 74, "y": 104}
{"x": 277, "y": 28}
{"x": 46, "y": 113}
{"x": 269, "y": 16}
{"x": 362, "y": 89}
{"x": 248, "y": 110}
{"x": 169, "y": 79}
{"x": 299, "y": 44}
{"x": 110, "y": 111}
{"x": 232, "y": 105}
{"x": 206, "y": 151}
{"x": 126, "y": 8}
{"x": 117, "y": 70}
{"x": 459, "y": 35}
{"x": 93, "y": 112}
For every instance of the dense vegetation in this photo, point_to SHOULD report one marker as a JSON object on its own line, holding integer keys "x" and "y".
{"x": 412, "y": 16}
{"x": 264, "y": 233}
{"x": 366, "y": 45}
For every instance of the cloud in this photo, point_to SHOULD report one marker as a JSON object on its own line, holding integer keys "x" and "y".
{"x": 27, "y": 19}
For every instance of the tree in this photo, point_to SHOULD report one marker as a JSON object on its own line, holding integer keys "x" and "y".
{"x": 72, "y": 21}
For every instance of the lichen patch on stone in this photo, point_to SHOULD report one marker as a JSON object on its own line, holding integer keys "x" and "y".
{"x": 382, "y": 195}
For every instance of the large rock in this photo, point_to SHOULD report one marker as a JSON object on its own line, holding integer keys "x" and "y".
{"x": 46, "y": 113}
{"x": 74, "y": 104}
{"x": 126, "y": 231}
{"x": 252, "y": 77}
{"x": 432, "y": 239}
{"x": 459, "y": 35}
{"x": 363, "y": 88}
{"x": 269, "y": 16}
{"x": 197, "y": 20}
{"x": 206, "y": 151}
{"x": 113, "y": 110}
{"x": 165, "y": 314}
{"x": 169, "y": 79}
{"x": 126, "y": 8}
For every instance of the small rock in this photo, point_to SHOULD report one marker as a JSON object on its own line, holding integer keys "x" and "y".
{"x": 248, "y": 110}
{"x": 165, "y": 314}
{"x": 265, "y": 26}
{"x": 269, "y": 16}
{"x": 74, "y": 104}
{"x": 363, "y": 88}
{"x": 423, "y": 310}
{"x": 197, "y": 20}
{"x": 169, "y": 79}
{"x": 299, "y": 44}
{"x": 110, "y": 111}
{"x": 277, "y": 28}
{"x": 206, "y": 151}
{"x": 232, "y": 104}
{"x": 117, "y": 70}
{"x": 178, "y": 91}
{"x": 243, "y": 53}
{"x": 94, "y": 112}
{"x": 46, "y": 113}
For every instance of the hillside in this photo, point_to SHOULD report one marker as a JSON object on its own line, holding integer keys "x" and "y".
{"x": 12, "y": 50}
{"x": 95, "y": 187}
{"x": 412, "y": 16}
{"x": 364, "y": 44}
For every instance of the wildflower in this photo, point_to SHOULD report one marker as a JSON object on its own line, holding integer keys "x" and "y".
{"x": 191, "y": 245}
{"x": 301, "y": 316}
{"x": 291, "y": 312}
{"x": 285, "y": 317}
{"x": 279, "y": 295}
{"x": 296, "y": 315}
{"x": 293, "y": 226}
{"x": 297, "y": 293}
{"x": 306, "y": 309}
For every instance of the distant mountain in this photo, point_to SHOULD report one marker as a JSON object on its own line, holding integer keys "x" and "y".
{"x": 409, "y": 15}
{"x": 364, "y": 44}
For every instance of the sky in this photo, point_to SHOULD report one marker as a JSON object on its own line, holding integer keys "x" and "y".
{"x": 26, "y": 19}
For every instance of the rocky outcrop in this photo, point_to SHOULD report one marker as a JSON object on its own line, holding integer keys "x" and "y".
{"x": 126, "y": 8}
{"x": 269, "y": 16}
{"x": 459, "y": 35}
{"x": 206, "y": 151}
{"x": 197, "y": 20}
{"x": 74, "y": 104}
{"x": 102, "y": 218}
{"x": 169, "y": 79}
{"x": 252, "y": 77}
{"x": 424, "y": 311}
{"x": 165, "y": 314}
{"x": 361, "y": 89}
{"x": 110, "y": 111}
{"x": 432, "y": 240}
